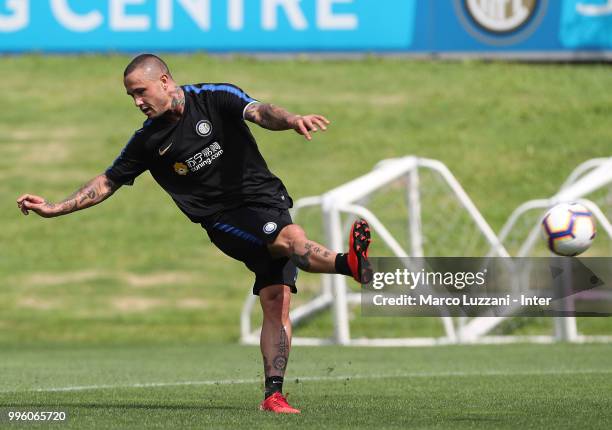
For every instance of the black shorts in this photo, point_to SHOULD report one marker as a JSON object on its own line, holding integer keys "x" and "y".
{"x": 244, "y": 233}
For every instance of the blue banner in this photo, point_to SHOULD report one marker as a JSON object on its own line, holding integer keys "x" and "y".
{"x": 480, "y": 27}
{"x": 188, "y": 25}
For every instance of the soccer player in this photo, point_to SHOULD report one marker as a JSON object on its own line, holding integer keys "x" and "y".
{"x": 199, "y": 149}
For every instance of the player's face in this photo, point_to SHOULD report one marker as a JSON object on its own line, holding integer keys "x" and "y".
{"x": 150, "y": 94}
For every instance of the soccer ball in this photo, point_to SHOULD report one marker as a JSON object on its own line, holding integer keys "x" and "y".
{"x": 569, "y": 229}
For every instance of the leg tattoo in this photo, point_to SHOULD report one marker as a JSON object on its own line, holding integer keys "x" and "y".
{"x": 280, "y": 361}
{"x": 283, "y": 345}
{"x": 301, "y": 261}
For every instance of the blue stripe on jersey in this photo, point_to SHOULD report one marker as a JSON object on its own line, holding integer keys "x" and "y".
{"x": 238, "y": 233}
{"x": 227, "y": 88}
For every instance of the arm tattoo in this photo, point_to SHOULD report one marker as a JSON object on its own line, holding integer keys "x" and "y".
{"x": 92, "y": 193}
{"x": 268, "y": 116}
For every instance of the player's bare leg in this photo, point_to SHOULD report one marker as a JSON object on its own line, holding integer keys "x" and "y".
{"x": 313, "y": 257}
{"x": 308, "y": 255}
{"x": 275, "y": 343}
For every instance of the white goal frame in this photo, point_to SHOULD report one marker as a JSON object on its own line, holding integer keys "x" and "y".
{"x": 348, "y": 199}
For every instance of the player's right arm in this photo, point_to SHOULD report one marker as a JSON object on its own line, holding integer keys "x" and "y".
{"x": 95, "y": 191}
{"x": 130, "y": 163}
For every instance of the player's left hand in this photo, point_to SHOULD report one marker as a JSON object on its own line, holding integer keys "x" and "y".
{"x": 307, "y": 124}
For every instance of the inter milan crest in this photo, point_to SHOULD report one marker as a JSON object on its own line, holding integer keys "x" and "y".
{"x": 269, "y": 227}
{"x": 204, "y": 128}
{"x": 501, "y": 22}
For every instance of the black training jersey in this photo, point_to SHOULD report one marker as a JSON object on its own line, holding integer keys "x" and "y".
{"x": 208, "y": 161}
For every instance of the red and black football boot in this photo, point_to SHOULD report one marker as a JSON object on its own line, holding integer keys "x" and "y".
{"x": 359, "y": 242}
{"x": 277, "y": 403}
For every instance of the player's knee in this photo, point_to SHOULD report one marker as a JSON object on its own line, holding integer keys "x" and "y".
{"x": 275, "y": 300}
{"x": 272, "y": 305}
{"x": 287, "y": 239}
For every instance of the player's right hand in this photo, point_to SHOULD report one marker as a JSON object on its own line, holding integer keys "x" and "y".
{"x": 37, "y": 204}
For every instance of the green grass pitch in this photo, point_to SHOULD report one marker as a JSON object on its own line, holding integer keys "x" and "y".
{"x": 218, "y": 386}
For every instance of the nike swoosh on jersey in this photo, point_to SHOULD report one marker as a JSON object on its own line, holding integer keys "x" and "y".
{"x": 163, "y": 151}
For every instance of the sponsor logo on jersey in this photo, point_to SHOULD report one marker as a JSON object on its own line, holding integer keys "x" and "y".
{"x": 269, "y": 227}
{"x": 181, "y": 168}
{"x": 203, "y": 158}
{"x": 204, "y": 128}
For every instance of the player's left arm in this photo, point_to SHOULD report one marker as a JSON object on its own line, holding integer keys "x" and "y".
{"x": 276, "y": 118}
